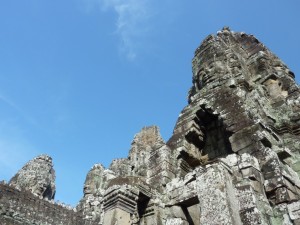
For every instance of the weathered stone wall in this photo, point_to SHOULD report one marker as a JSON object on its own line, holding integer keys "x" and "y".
{"x": 24, "y": 208}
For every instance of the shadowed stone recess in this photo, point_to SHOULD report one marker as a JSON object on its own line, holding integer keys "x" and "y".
{"x": 233, "y": 157}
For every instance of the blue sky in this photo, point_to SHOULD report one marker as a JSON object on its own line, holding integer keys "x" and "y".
{"x": 78, "y": 78}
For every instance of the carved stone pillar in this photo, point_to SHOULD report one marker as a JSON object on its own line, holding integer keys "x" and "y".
{"x": 120, "y": 205}
{"x": 218, "y": 204}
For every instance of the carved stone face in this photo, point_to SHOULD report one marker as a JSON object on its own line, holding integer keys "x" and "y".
{"x": 234, "y": 65}
{"x": 37, "y": 176}
{"x": 41, "y": 189}
{"x": 209, "y": 72}
{"x": 96, "y": 179}
{"x": 93, "y": 182}
{"x": 274, "y": 88}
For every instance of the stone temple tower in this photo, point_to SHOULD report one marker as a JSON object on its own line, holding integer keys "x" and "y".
{"x": 233, "y": 158}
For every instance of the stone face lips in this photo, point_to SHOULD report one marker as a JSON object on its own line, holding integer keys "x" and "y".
{"x": 37, "y": 176}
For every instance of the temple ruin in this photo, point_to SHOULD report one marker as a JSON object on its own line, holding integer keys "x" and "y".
{"x": 233, "y": 158}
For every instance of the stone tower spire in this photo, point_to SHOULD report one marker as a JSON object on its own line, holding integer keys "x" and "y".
{"x": 37, "y": 176}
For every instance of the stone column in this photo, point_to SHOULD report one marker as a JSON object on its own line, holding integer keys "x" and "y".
{"x": 120, "y": 205}
{"x": 218, "y": 204}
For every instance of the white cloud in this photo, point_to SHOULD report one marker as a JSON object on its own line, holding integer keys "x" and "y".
{"x": 132, "y": 23}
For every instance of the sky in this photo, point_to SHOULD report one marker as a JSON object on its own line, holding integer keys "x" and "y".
{"x": 79, "y": 78}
